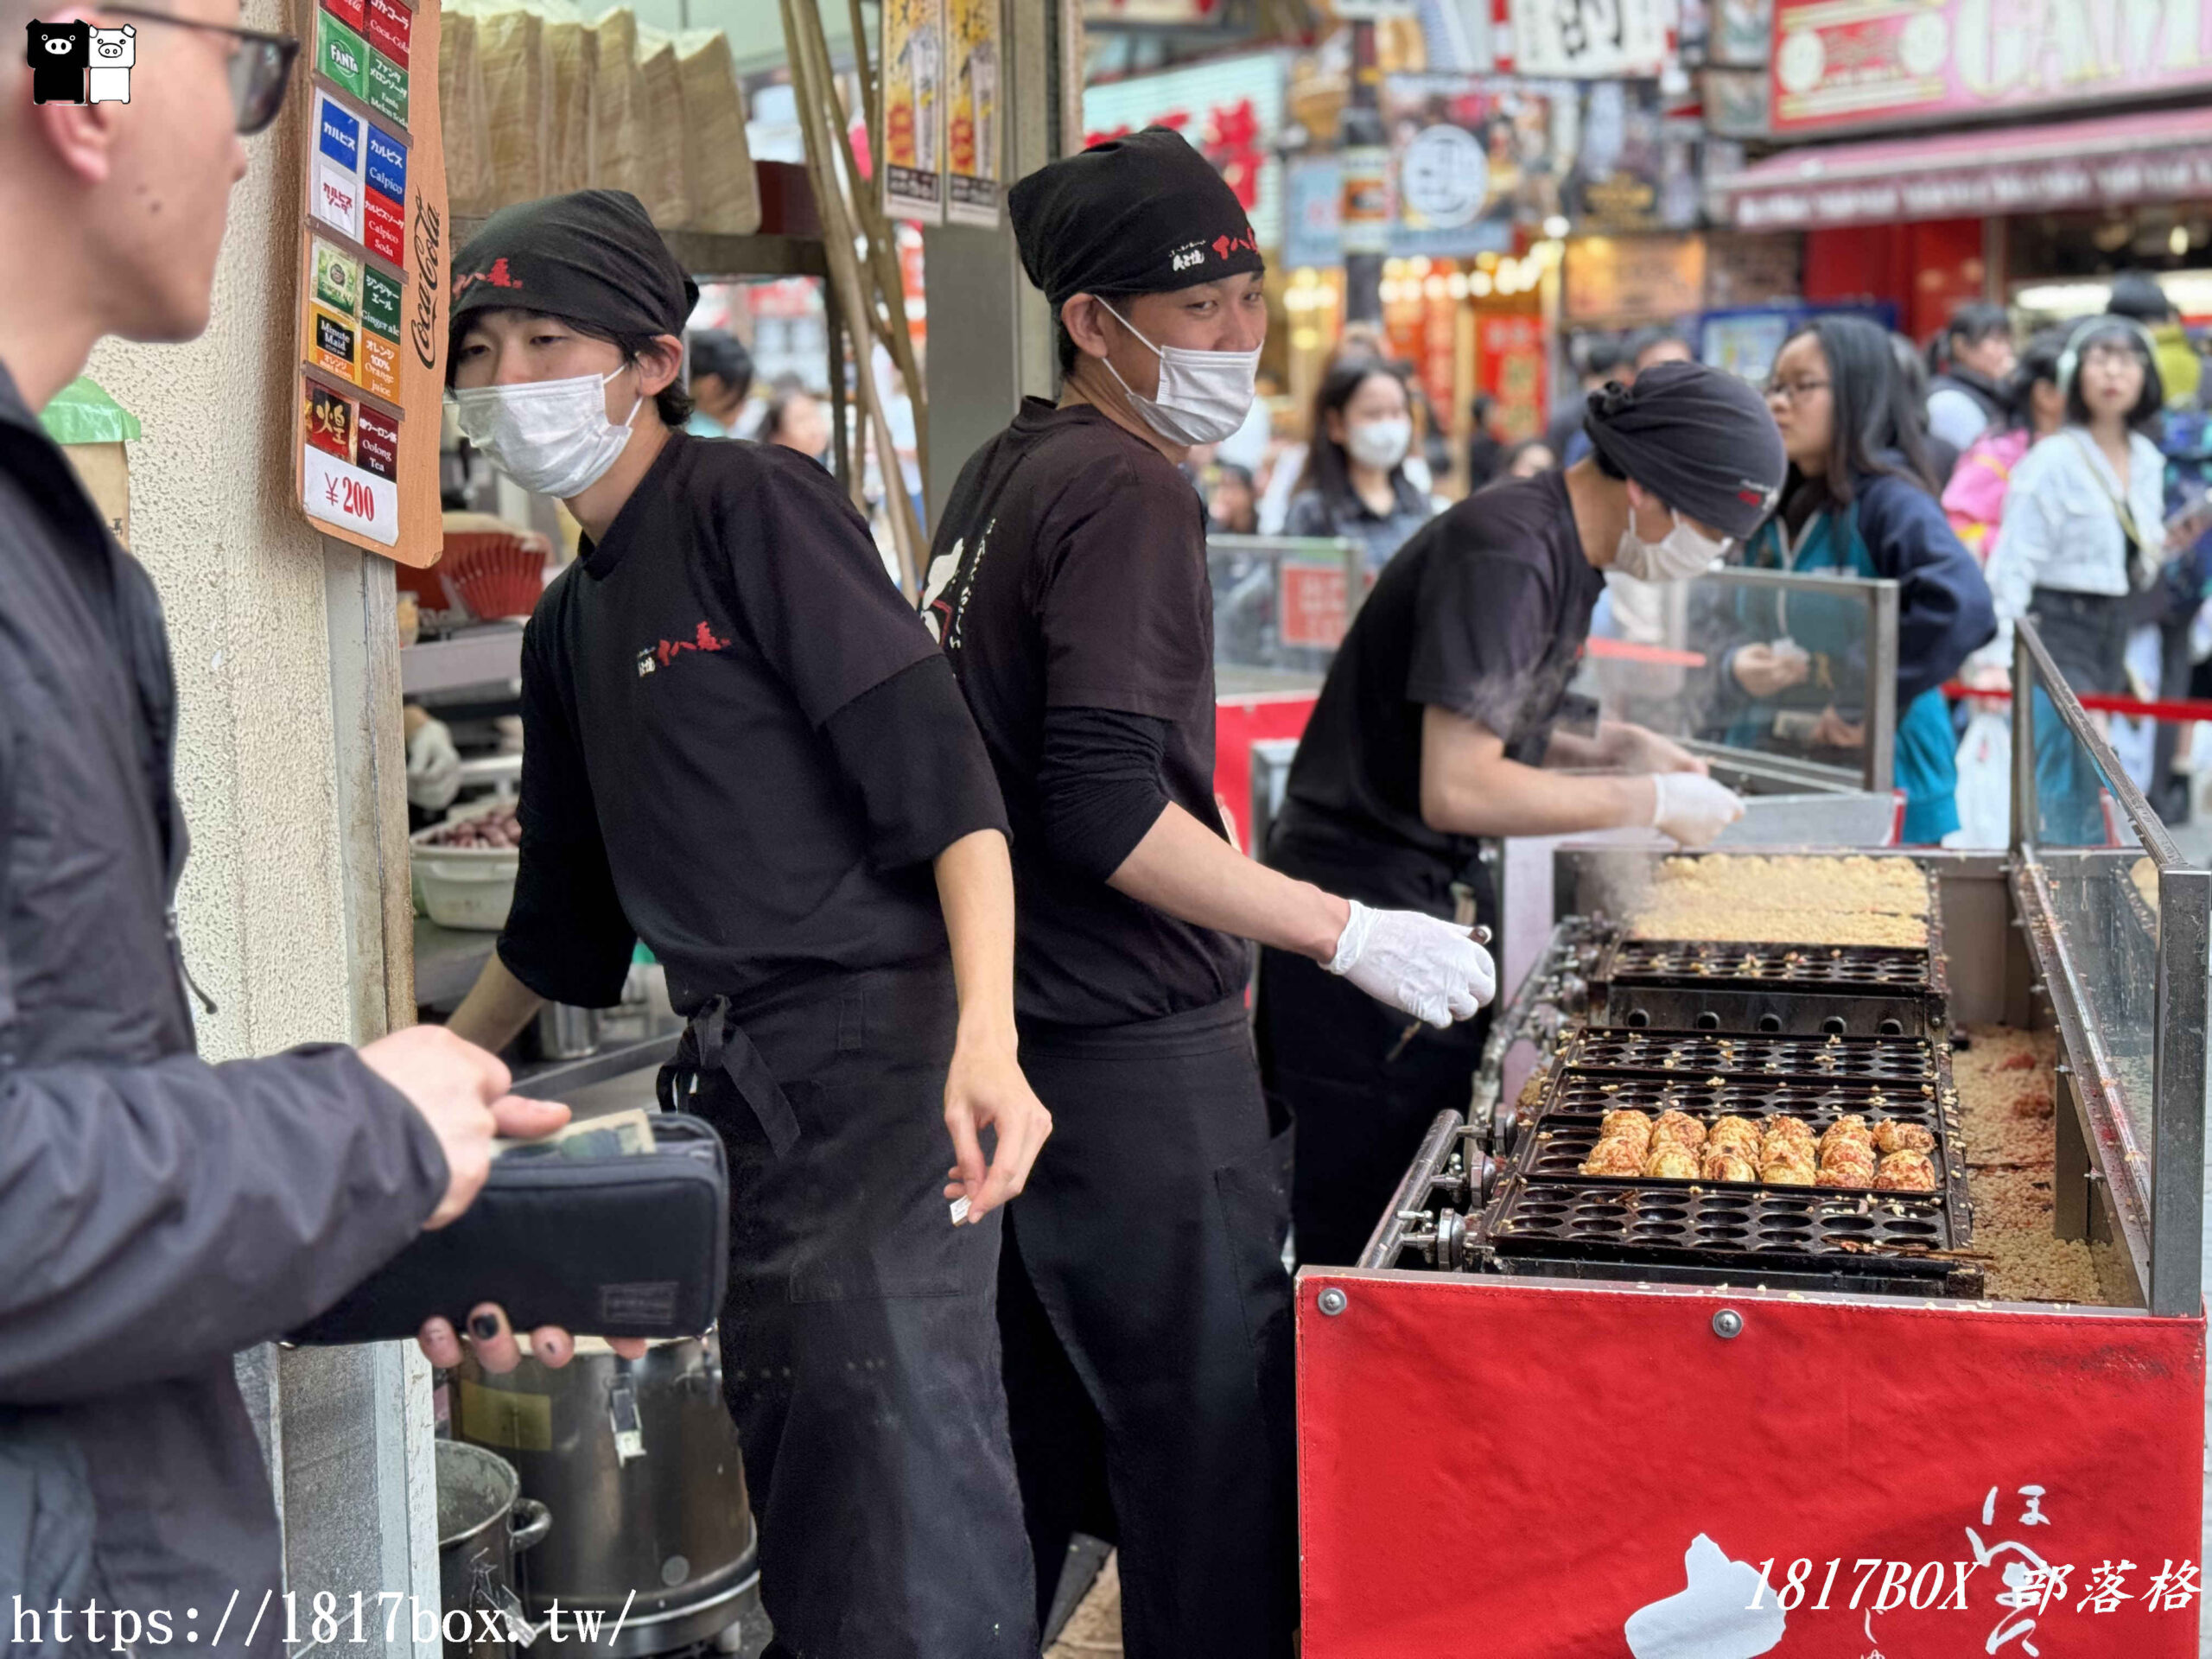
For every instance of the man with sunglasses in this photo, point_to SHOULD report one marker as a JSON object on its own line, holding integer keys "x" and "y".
{"x": 157, "y": 1214}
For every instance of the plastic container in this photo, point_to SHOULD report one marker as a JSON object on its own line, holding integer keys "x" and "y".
{"x": 471, "y": 888}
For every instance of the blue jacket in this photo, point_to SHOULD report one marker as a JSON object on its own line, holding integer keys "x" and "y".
{"x": 1895, "y": 530}
{"x": 1944, "y": 611}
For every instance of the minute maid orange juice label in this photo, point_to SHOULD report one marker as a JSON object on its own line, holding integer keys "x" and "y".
{"x": 333, "y": 347}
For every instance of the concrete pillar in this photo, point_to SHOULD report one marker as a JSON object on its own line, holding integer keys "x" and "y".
{"x": 978, "y": 293}
{"x": 288, "y": 766}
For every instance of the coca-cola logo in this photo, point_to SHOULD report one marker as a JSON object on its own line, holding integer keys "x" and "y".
{"x": 429, "y": 230}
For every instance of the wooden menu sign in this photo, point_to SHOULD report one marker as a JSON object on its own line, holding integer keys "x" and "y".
{"x": 371, "y": 301}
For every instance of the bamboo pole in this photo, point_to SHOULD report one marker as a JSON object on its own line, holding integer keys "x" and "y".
{"x": 882, "y": 245}
{"x": 845, "y": 272}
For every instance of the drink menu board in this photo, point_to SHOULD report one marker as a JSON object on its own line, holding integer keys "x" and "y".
{"x": 372, "y": 279}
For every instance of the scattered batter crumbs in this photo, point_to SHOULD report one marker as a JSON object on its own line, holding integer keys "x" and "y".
{"x": 2005, "y": 1106}
{"x": 1789, "y": 899}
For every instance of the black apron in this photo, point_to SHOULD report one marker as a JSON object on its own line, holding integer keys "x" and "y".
{"x": 859, "y": 1353}
{"x": 1147, "y": 1320}
{"x": 1360, "y": 1080}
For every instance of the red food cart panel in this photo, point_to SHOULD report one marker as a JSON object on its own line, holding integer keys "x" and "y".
{"x": 1499, "y": 1467}
{"x": 1238, "y": 724}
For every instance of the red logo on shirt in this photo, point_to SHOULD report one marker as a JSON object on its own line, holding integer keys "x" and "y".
{"x": 667, "y": 651}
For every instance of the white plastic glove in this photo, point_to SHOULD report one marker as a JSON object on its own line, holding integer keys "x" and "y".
{"x": 1419, "y": 965}
{"x": 433, "y": 767}
{"x": 1692, "y": 809}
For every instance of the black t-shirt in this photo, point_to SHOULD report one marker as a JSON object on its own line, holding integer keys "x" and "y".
{"x": 1483, "y": 612}
{"x": 722, "y": 743}
{"x": 1069, "y": 571}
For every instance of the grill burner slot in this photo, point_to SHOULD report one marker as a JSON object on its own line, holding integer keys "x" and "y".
{"x": 1698, "y": 1055}
{"x": 1808, "y": 967}
{"x": 1803, "y": 989}
{"x": 1594, "y": 1093}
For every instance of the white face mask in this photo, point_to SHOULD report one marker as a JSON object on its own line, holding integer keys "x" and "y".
{"x": 1204, "y": 395}
{"x": 1381, "y": 444}
{"x": 550, "y": 436}
{"x": 1676, "y": 557}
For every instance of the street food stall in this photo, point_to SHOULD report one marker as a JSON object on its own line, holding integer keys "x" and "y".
{"x": 1833, "y": 1285}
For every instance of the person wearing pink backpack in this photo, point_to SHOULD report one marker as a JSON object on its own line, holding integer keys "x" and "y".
{"x": 1974, "y": 498}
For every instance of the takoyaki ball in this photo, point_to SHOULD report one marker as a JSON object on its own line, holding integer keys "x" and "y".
{"x": 1786, "y": 1172}
{"x": 1850, "y": 1127}
{"x": 1628, "y": 1125}
{"x": 1727, "y": 1166}
{"x": 1679, "y": 1130}
{"x": 1669, "y": 1162}
{"x": 1735, "y": 1135}
{"x": 1891, "y": 1136}
{"x": 1906, "y": 1172}
{"x": 1614, "y": 1155}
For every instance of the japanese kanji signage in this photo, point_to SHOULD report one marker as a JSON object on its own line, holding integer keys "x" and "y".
{"x": 1226, "y": 107}
{"x": 372, "y": 295}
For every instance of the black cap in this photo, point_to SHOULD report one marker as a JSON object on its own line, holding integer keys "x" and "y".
{"x": 591, "y": 257}
{"x": 1698, "y": 439}
{"x": 1143, "y": 214}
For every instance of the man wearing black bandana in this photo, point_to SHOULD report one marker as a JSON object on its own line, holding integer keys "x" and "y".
{"x": 1436, "y": 727}
{"x": 1142, "y": 1297}
{"x": 741, "y": 745}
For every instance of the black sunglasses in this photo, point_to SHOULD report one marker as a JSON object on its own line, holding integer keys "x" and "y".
{"x": 260, "y": 66}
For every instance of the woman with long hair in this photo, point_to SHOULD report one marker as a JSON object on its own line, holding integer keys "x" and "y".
{"x": 2084, "y": 547}
{"x": 1860, "y": 500}
{"x": 1355, "y": 480}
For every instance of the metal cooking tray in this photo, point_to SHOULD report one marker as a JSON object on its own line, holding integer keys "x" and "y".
{"x": 1599, "y": 1092}
{"x": 1787, "y": 1237}
{"x": 1695, "y": 1055}
{"x": 1799, "y": 989}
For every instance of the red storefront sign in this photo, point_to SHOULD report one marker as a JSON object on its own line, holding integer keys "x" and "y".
{"x": 1496, "y": 1467}
{"x": 1844, "y": 64}
{"x": 1510, "y": 366}
{"x": 1311, "y": 605}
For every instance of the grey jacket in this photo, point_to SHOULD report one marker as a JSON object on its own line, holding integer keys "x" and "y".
{"x": 156, "y": 1213}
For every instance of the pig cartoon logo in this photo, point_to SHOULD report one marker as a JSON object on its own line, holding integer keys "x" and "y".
{"x": 114, "y": 52}
{"x": 1712, "y": 1617}
{"x": 58, "y": 55}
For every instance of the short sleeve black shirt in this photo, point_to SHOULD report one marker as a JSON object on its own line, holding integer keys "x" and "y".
{"x": 676, "y": 777}
{"x": 1069, "y": 571}
{"x": 1484, "y": 613}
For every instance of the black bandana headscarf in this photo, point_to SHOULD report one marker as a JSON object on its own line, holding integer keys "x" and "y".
{"x": 1698, "y": 439}
{"x": 591, "y": 257}
{"x": 1144, "y": 214}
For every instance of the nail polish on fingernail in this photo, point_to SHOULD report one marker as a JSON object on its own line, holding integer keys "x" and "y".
{"x": 484, "y": 1327}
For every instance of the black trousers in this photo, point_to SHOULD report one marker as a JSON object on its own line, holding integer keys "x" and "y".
{"x": 1146, "y": 1315}
{"x": 1325, "y": 1052}
{"x": 859, "y": 1353}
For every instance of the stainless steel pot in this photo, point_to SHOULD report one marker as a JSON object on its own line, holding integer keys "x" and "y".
{"x": 640, "y": 1461}
{"x": 484, "y": 1523}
